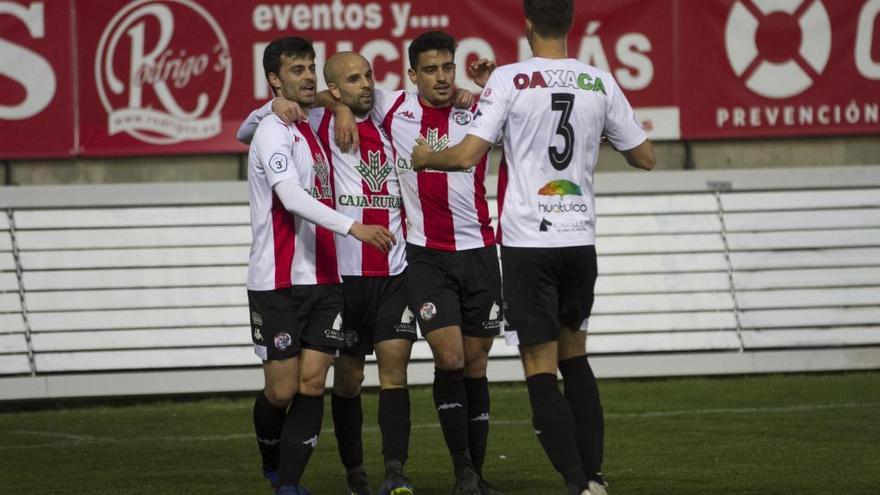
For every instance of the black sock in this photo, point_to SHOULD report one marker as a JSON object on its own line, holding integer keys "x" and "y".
{"x": 394, "y": 422}
{"x": 582, "y": 395}
{"x": 348, "y": 420}
{"x": 553, "y": 424}
{"x": 268, "y": 423}
{"x": 300, "y": 437}
{"x": 450, "y": 399}
{"x": 478, "y": 419}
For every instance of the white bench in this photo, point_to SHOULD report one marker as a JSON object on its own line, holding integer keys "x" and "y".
{"x": 138, "y": 289}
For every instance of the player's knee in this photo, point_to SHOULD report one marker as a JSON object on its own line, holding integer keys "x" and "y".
{"x": 449, "y": 359}
{"x": 348, "y": 384}
{"x": 475, "y": 367}
{"x": 313, "y": 386}
{"x": 312, "y": 383}
{"x": 392, "y": 377}
{"x": 281, "y": 393}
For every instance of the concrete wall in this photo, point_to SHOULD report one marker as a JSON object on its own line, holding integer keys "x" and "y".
{"x": 673, "y": 155}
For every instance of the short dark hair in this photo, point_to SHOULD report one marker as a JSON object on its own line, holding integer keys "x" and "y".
{"x": 291, "y": 46}
{"x": 550, "y": 18}
{"x": 430, "y": 40}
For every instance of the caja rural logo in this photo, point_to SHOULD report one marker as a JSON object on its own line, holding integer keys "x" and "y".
{"x": 159, "y": 84}
{"x": 778, "y": 47}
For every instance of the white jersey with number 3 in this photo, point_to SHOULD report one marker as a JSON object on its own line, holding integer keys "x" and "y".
{"x": 552, "y": 114}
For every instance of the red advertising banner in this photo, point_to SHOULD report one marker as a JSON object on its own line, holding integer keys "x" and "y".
{"x": 37, "y": 113}
{"x": 157, "y": 77}
{"x": 178, "y": 76}
{"x": 760, "y": 68}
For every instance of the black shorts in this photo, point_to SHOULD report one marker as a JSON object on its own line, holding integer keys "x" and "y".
{"x": 375, "y": 310}
{"x": 546, "y": 289}
{"x": 461, "y": 288}
{"x": 285, "y": 321}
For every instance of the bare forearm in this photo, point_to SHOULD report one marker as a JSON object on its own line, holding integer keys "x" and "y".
{"x": 642, "y": 156}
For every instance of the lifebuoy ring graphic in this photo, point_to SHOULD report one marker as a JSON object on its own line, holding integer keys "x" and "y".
{"x": 772, "y": 78}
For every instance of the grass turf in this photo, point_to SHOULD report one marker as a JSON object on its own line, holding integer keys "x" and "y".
{"x": 788, "y": 434}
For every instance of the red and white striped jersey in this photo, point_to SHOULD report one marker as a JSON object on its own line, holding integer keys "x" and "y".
{"x": 287, "y": 250}
{"x": 444, "y": 210}
{"x": 366, "y": 190}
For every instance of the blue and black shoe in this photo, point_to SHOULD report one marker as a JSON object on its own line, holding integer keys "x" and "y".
{"x": 271, "y": 475}
{"x": 292, "y": 490}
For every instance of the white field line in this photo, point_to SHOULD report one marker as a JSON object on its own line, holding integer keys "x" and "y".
{"x": 66, "y": 438}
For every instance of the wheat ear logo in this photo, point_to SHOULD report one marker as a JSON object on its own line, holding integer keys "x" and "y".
{"x": 435, "y": 141}
{"x": 374, "y": 170}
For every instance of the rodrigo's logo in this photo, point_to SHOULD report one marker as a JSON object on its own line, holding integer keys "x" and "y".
{"x": 156, "y": 86}
{"x": 778, "y": 47}
{"x": 560, "y": 188}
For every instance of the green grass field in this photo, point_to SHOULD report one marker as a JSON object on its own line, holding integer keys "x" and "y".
{"x": 792, "y": 434}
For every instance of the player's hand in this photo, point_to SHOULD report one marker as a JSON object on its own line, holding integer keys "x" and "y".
{"x": 463, "y": 99}
{"x": 419, "y": 157}
{"x": 374, "y": 235}
{"x": 481, "y": 70}
{"x": 345, "y": 130}
{"x": 288, "y": 111}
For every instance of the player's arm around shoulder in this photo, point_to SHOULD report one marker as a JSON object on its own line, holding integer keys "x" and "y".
{"x": 462, "y": 156}
{"x": 288, "y": 111}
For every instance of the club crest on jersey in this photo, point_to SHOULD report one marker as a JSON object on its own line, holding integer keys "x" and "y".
{"x": 322, "y": 174}
{"x": 559, "y": 79}
{"x": 428, "y": 311}
{"x": 283, "y": 341}
{"x": 462, "y": 117}
{"x": 435, "y": 141}
{"x": 374, "y": 170}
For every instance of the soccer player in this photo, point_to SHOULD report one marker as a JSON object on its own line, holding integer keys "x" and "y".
{"x": 454, "y": 280}
{"x": 552, "y": 112}
{"x": 376, "y": 315}
{"x": 293, "y": 282}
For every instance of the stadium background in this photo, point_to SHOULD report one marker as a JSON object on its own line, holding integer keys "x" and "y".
{"x": 764, "y": 114}
{"x": 719, "y": 84}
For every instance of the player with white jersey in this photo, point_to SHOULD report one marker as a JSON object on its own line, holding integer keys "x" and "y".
{"x": 454, "y": 279}
{"x": 551, "y": 112}
{"x": 293, "y": 284}
{"x": 376, "y": 315}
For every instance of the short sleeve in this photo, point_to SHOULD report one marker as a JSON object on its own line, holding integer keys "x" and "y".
{"x": 621, "y": 125}
{"x": 273, "y": 144}
{"x": 383, "y": 101}
{"x": 247, "y": 128}
{"x": 488, "y": 123}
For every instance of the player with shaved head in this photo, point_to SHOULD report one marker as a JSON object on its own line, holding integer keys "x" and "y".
{"x": 376, "y": 317}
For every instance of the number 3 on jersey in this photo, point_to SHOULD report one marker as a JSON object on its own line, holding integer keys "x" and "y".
{"x": 562, "y": 102}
